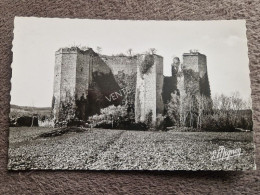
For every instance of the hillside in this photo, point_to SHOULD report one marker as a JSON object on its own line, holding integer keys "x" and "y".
{"x": 17, "y": 111}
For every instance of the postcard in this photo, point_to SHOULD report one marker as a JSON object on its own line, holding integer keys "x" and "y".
{"x": 130, "y": 95}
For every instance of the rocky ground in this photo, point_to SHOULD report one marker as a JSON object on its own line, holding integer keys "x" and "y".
{"x": 104, "y": 149}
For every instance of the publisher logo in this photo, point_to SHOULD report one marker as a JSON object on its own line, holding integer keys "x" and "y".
{"x": 224, "y": 154}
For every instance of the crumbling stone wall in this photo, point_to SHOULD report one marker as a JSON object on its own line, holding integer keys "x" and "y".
{"x": 149, "y": 84}
{"x": 124, "y": 64}
{"x": 124, "y": 69}
{"x": 84, "y": 78}
{"x": 102, "y": 85}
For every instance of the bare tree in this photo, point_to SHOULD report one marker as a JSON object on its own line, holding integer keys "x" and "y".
{"x": 129, "y": 52}
{"x": 248, "y": 103}
{"x": 237, "y": 102}
{"x": 231, "y": 111}
{"x": 194, "y": 51}
{"x": 204, "y": 106}
{"x": 99, "y": 49}
{"x": 186, "y": 110}
{"x": 225, "y": 103}
{"x": 84, "y": 48}
{"x": 173, "y": 111}
{"x": 152, "y": 51}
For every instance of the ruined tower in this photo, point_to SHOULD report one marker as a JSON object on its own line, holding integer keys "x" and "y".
{"x": 149, "y": 85}
{"x": 195, "y": 73}
{"x": 82, "y": 80}
{"x": 72, "y": 77}
{"x": 194, "y": 89}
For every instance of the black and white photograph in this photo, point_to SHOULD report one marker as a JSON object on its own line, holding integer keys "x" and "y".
{"x": 92, "y": 94}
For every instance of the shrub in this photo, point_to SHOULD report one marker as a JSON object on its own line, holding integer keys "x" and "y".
{"x": 116, "y": 117}
{"x": 160, "y": 122}
{"x": 110, "y": 117}
{"x": 149, "y": 119}
{"x": 173, "y": 110}
{"x": 226, "y": 121}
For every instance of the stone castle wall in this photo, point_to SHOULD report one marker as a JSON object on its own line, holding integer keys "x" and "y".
{"x": 56, "y": 85}
{"x": 84, "y": 68}
{"x": 159, "y": 85}
{"x": 64, "y": 78}
{"x": 190, "y": 61}
{"x": 148, "y": 97}
{"x": 202, "y": 61}
{"x": 68, "y": 75}
{"x": 84, "y": 78}
{"x": 126, "y": 64}
{"x": 195, "y": 73}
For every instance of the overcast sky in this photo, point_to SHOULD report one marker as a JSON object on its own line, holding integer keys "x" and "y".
{"x": 36, "y": 40}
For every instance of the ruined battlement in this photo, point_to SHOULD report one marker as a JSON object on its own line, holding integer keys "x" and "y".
{"x": 67, "y": 50}
{"x": 71, "y": 50}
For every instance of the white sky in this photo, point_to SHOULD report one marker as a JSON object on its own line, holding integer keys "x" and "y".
{"x": 36, "y": 40}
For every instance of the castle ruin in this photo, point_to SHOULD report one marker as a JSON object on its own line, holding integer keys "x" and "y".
{"x": 84, "y": 79}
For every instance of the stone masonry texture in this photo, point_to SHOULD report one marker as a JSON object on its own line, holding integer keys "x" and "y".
{"x": 197, "y": 62}
{"x": 128, "y": 182}
{"x": 148, "y": 96}
{"x": 124, "y": 64}
{"x": 77, "y": 70}
{"x": 79, "y": 77}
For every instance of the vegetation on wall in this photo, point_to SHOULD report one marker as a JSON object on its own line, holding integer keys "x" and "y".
{"x": 67, "y": 110}
{"x": 191, "y": 81}
{"x": 204, "y": 85}
{"x": 149, "y": 119}
{"x": 172, "y": 110}
{"x": 147, "y": 64}
{"x": 138, "y": 105}
{"x": 127, "y": 82}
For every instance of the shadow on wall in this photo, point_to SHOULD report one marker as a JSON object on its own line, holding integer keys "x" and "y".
{"x": 104, "y": 86}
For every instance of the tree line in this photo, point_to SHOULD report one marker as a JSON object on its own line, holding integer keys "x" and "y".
{"x": 221, "y": 113}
